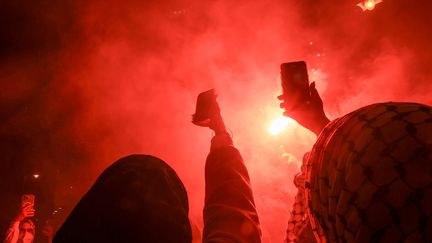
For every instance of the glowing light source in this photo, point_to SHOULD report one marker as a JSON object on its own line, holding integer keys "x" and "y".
{"x": 368, "y": 4}
{"x": 279, "y": 125}
{"x": 36, "y": 176}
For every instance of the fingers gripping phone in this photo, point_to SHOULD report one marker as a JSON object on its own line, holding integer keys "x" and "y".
{"x": 295, "y": 84}
{"x": 27, "y": 199}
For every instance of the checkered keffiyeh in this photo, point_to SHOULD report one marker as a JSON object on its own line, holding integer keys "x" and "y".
{"x": 368, "y": 178}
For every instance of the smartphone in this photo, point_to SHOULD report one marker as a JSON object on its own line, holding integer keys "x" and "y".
{"x": 204, "y": 102}
{"x": 28, "y": 199}
{"x": 295, "y": 84}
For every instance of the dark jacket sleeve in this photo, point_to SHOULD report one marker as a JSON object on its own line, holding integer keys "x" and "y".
{"x": 229, "y": 212}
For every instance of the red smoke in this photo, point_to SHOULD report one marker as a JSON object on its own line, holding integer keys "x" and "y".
{"x": 100, "y": 80}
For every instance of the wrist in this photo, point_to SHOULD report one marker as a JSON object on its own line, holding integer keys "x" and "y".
{"x": 320, "y": 123}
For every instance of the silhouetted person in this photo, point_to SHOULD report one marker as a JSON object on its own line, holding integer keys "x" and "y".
{"x": 139, "y": 198}
{"x": 229, "y": 212}
{"x": 23, "y": 230}
{"x": 368, "y": 177}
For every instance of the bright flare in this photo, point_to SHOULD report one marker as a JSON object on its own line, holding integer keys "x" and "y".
{"x": 36, "y": 176}
{"x": 368, "y": 4}
{"x": 279, "y": 125}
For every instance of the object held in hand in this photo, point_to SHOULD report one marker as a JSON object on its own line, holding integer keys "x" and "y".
{"x": 27, "y": 199}
{"x": 295, "y": 85}
{"x": 204, "y": 104}
{"x": 27, "y": 207}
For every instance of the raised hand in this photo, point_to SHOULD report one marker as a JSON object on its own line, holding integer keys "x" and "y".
{"x": 309, "y": 113}
{"x": 27, "y": 211}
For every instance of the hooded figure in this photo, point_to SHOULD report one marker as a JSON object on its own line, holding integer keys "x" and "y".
{"x": 368, "y": 178}
{"x": 139, "y": 198}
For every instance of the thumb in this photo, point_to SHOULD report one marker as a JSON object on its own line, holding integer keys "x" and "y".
{"x": 313, "y": 92}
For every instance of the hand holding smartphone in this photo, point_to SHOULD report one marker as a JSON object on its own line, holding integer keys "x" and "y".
{"x": 301, "y": 100}
{"x": 27, "y": 205}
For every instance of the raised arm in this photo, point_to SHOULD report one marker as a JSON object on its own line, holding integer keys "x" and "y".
{"x": 229, "y": 212}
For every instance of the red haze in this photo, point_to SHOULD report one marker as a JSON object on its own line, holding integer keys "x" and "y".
{"x": 85, "y": 83}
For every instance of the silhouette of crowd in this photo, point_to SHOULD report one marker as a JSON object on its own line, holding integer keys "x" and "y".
{"x": 368, "y": 178}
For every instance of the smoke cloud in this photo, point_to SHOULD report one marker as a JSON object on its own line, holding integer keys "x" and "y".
{"x": 85, "y": 83}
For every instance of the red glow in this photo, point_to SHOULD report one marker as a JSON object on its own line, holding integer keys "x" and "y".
{"x": 279, "y": 125}
{"x": 368, "y": 4}
{"x": 98, "y": 80}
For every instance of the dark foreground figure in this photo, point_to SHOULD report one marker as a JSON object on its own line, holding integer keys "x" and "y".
{"x": 368, "y": 177}
{"x": 141, "y": 199}
{"x": 137, "y": 199}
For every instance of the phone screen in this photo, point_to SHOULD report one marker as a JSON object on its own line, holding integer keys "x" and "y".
{"x": 295, "y": 83}
{"x": 204, "y": 102}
